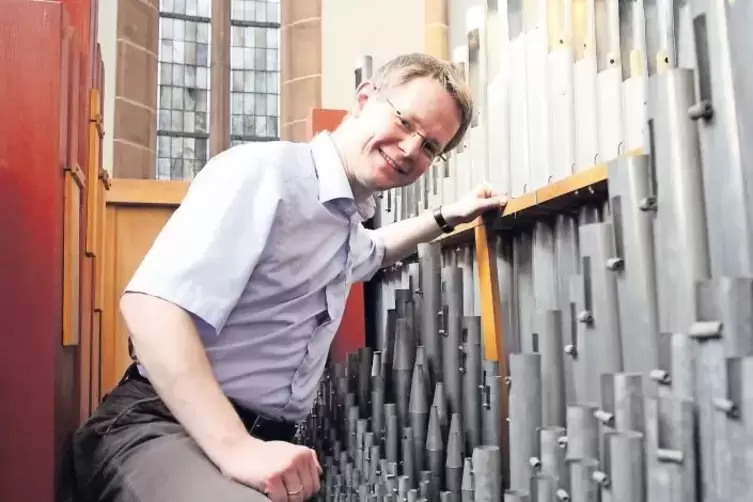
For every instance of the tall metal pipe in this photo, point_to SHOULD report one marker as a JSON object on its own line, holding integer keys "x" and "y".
{"x": 452, "y": 337}
{"x": 525, "y": 416}
{"x": 471, "y": 371}
{"x": 431, "y": 292}
{"x": 486, "y": 463}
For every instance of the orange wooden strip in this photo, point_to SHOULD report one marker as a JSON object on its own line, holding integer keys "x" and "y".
{"x": 491, "y": 322}
{"x": 148, "y": 192}
{"x": 93, "y": 187}
{"x": 461, "y": 233}
{"x": 71, "y": 259}
{"x": 577, "y": 181}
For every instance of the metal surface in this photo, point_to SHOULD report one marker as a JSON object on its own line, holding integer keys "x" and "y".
{"x": 525, "y": 416}
{"x": 627, "y": 319}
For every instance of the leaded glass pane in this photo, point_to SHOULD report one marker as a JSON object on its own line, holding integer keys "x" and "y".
{"x": 254, "y": 64}
{"x": 260, "y": 11}
{"x": 183, "y": 83}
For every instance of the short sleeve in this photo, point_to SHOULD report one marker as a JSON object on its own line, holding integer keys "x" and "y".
{"x": 367, "y": 253}
{"x": 204, "y": 255}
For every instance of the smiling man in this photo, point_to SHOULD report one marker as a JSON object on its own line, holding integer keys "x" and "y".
{"x": 232, "y": 312}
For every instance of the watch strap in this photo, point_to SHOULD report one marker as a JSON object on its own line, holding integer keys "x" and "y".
{"x": 441, "y": 222}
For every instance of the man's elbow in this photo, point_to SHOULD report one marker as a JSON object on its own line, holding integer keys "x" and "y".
{"x": 138, "y": 309}
{"x": 130, "y": 304}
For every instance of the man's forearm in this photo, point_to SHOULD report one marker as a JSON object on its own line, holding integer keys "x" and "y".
{"x": 402, "y": 237}
{"x": 169, "y": 347}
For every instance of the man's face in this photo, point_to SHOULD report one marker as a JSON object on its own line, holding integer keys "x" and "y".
{"x": 401, "y": 131}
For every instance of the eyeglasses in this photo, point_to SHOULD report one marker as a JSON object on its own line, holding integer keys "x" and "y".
{"x": 430, "y": 148}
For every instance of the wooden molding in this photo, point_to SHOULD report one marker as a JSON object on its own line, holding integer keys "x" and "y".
{"x": 583, "y": 180}
{"x": 462, "y": 233}
{"x": 72, "y": 257}
{"x": 77, "y": 174}
{"x": 95, "y": 140}
{"x": 147, "y": 192}
{"x": 104, "y": 177}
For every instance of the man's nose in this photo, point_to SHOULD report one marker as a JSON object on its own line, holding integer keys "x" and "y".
{"x": 411, "y": 145}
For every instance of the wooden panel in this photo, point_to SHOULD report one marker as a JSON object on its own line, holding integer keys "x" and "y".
{"x": 34, "y": 417}
{"x": 95, "y": 367}
{"x": 72, "y": 257}
{"x": 322, "y": 119}
{"x": 74, "y": 101}
{"x": 147, "y": 192}
{"x": 109, "y": 304}
{"x": 131, "y": 231}
{"x": 85, "y": 338}
{"x": 95, "y": 131}
{"x": 100, "y": 237}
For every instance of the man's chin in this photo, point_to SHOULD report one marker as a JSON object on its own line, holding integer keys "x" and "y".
{"x": 384, "y": 185}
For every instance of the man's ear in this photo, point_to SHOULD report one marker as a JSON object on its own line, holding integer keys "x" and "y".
{"x": 364, "y": 92}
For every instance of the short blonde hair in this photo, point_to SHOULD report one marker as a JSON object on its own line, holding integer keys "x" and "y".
{"x": 405, "y": 68}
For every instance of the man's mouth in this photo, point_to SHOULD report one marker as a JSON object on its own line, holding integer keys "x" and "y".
{"x": 394, "y": 165}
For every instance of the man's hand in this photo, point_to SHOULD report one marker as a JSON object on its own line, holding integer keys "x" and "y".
{"x": 282, "y": 471}
{"x": 400, "y": 238}
{"x": 472, "y": 205}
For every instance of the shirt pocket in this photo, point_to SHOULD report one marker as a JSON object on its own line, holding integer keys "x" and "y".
{"x": 306, "y": 377}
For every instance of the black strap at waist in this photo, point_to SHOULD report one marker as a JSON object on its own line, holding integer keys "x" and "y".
{"x": 264, "y": 428}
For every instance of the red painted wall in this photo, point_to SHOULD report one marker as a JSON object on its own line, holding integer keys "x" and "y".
{"x": 352, "y": 332}
{"x": 39, "y": 381}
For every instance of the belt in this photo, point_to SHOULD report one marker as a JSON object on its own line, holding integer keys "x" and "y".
{"x": 259, "y": 426}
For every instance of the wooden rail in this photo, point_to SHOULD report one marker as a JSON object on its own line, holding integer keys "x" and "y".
{"x": 147, "y": 192}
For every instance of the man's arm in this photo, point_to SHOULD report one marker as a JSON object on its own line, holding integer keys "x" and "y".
{"x": 167, "y": 344}
{"x": 401, "y": 238}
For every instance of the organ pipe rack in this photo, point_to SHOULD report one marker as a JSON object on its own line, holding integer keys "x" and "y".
{"x": 594, "y": 340}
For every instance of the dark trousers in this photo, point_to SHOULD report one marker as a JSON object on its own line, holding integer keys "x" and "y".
{"x": 133, "y": 450}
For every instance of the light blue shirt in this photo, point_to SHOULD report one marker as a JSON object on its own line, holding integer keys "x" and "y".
{"x": 262, "y": 252}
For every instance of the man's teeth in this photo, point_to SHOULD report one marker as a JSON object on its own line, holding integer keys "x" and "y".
{"x": 389, "y": 161}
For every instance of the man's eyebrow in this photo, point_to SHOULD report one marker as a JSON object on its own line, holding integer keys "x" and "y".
{"x": 429, "y": 139}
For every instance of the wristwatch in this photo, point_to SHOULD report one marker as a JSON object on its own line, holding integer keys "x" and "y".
{"x": 441, "y": 222}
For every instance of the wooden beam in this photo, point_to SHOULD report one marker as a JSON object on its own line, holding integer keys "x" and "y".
{"x": 491, "y": 321}
{"x": 494, "y": 342}
{"x": 462, "y": 233}
{"x": 147, "y": 192}
{"x": 561, "y": 196}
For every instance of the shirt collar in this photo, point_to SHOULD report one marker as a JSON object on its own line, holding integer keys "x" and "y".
{"x": 333, "y": 182}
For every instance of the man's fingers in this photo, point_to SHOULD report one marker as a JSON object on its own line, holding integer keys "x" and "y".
{"x": 314, "y": 471}
{"x": 293, "y": 486}
{"x": 306, "y": 473}
{"x": 307, "y": 480}
{"x": 316, "y": 462}
{"x": 491, "y": 203}
{"x": 486, "y": 191}
{"x": 276, "y": 491}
